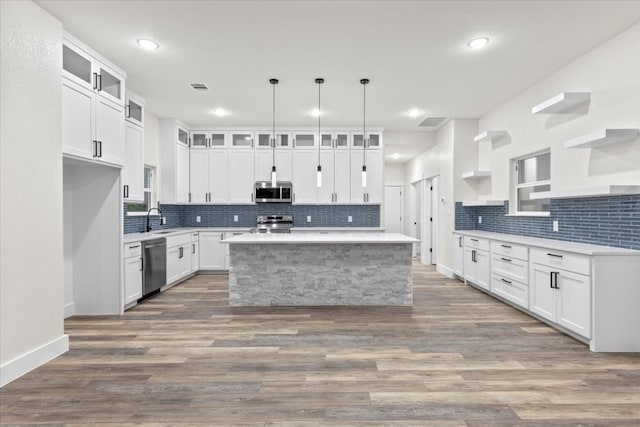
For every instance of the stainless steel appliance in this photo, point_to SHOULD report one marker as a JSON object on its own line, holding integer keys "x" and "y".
{"x": 266, "y": 193}
{"x": 274, "y": 224}
{"x": 154, "y": 264}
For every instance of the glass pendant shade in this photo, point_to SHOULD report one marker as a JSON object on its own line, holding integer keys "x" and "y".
{"x": 364, "y": 176}
{"x": 319, "y": 176}
{"x": 273, "y": 176}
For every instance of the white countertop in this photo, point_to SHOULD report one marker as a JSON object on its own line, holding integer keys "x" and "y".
{"x": 559, "y": 245}
{"x": 314, "y": 237}
{"x": 321, "y": 229}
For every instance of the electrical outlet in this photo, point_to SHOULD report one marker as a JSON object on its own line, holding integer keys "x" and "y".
{"x": 163, "y": 221}
{"x": 235, "y": 218}
{"x": 556, "y": 226}
{"x": 198, "y": 218}
{"x": 349, "y": 218}
{"x": 480, "y": 219}
{"x": 308, "y": 218}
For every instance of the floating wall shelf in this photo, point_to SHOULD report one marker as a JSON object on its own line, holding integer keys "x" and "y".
{"x": 602, "y": 137}
{"x": 489, "y": 135}
{"x": 484, "y": 203}
{"x": 559, "y": 104}
{"x": 476, "y": 174}
{"x": 601, "y": 191}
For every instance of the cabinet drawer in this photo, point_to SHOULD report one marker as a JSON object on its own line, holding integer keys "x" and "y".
{"x": 510, "y": 250}
{"x": 194, "y": 237}
{"x": 179, "y": 240}
{"x": 511, "y": 268}
{"x": 476, "y": 243}
{"x": 133, "y": 250}
{"x": 511, "y": 290}
{"x": 562, "y": 260}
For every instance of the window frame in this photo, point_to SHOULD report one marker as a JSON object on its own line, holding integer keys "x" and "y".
{"x": 145, "y": 190}
{"x": 517, "y": 186}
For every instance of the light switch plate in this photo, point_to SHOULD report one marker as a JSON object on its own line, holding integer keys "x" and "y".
{"x": 308, "y": 218}
{"x": 556, "y": 226}
{"x": 198, "y": 218}
{"x": 235, "y": 218}
{"x": 163, "y": 220}
{"x": 480, "y": 219}
{"x": 349, "y": 218}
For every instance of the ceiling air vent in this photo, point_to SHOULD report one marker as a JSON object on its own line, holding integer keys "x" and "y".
{"x": 199, "y": 87}
{"x": 432, "y": 122}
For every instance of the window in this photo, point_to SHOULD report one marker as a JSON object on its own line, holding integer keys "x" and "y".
{"x": 533, "y": 175}
{"x": 134, "y": 208}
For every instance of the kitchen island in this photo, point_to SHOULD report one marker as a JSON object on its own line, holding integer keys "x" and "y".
{"x": 320, "y": 269}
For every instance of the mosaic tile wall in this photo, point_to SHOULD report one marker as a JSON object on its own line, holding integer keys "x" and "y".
{"x": 609, "y": 221}
{"x": 223, "y": 216}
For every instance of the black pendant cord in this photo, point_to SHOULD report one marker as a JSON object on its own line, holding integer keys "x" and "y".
{"x": 273, "y": 135}
{"x": 319, "y": 82}
{"x": 364, "y": 121}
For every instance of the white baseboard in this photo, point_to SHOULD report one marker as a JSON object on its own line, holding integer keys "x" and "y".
{"x": 68, "y": 310}
{"x": 29, "y": 361}
{"x": 443, "y": 269}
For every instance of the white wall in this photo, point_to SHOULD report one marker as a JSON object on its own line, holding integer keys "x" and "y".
{"x": 393, "y": 173}
{"x": 611, "y": 72}
{"x": 31, "y": 266}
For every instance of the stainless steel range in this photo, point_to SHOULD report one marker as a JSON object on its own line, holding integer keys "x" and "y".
{"x": 274, "y": 224}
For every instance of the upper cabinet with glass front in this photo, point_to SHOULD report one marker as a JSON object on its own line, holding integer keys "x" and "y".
{"x": 374, "y": 140}
{"x": 263, "y": 140}
{"x": 90, "y": 71}
{"x": 241, "y": 139}
{"x": 305, "y": 140}
{"x": 208, "y": 139}
{"x": 338, "y": 140}
{"x": 134, "y": 109}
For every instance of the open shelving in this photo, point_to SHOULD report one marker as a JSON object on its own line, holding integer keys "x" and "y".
{"x": 561, "y": 103}
{"x": 483, "y": 203}
{"x": 600, "y": 191}
{"x": 489, "y": 135}
{"x": 602, "y": 137}
{"x": 476, "y": 174}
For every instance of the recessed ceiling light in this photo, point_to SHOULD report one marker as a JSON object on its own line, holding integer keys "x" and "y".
{"x": 147, "y": 44}
{"x": 316, "y": 113}
{"x": 220, "y": 112}
{"x": 395, "y": 156}
{"x": 478, "y": 43}
{"x": 414, "y": 112}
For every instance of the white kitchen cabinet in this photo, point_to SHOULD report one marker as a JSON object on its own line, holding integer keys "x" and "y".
{"x": 335, "y": 140}
{"x": 342, "y": 176}
{"x": 374, "y": 140}
{"x": 263, "y": 140}
{"x": 212, "y": 252}
{"x": 199, "y": 140}
{"x": 562, "y": 297}
{"x": 264, "y": 162}
{"x": 134, "y": 109}
{"x": 372, "y": 193}
{"x": 92, "y": 105}
{"x": 218, "y": 177}
{"x": 209, "y": 180}
{"x": 302, "y": 140}
{"x": 477, "y": 262}
{"x": 199, "y": 175}
{"x": 174, "y": 162}
{"x": 195, "y": 256}
{"x": 133, "y": 167}
{"x": 305, "y": 167}
{"x": 327, "y": 192}
{"x": 241, "y": 179}
{"x": 241, "y": 139}
{"x": 458, "y": 255}
{"x": 132, "y": 272}
{"x": 178, "y": 262}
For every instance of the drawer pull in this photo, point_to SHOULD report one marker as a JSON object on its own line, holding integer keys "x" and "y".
{"x": 506, "y": 246}
{"x": 506, "y": 259}
{"x": 134, "y": 246}
{"x": 506, "y": 281}
{"x": 474, "y": 240}
{"x": 554, "y": 255}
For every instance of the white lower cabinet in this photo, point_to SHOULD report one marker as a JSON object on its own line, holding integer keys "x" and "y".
{"x": 178, "y": 257}
{"x": 132, "y": 272}
{"x": 458, "y": 255}
{"x": 195, "y": 257}
{"x": 477, "y": 267}
{"x": 562, "y": 297}
{"x": 511, "y": 290}
{"x": 212, "y": 252}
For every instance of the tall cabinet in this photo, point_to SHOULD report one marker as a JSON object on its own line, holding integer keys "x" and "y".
{"x": 133, "y": 165}
{"x": 174, "y": 162}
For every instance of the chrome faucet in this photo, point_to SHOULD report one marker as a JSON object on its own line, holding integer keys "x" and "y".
{"x": 148, "y": 213}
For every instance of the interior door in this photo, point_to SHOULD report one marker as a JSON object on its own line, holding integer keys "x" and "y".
{"x": 393, "y": 208}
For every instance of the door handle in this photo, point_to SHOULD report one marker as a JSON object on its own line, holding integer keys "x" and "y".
{"x": 506, "y": 259}
{"x": 95, "y": 81}
{"x": 554, "y": 255}
{"x": 100, "y": 146}
{"x": 193, "y": 248}
{"x": 180, "y": 252}
{"x": 555, "y": 281}
{"x": 141, "y": 264}
{"x": 473, "y": 256}
{"x": 551, "y": 279}
{"x": 460, "y": 241}
{"x": 99, "y": 82}
{"x": 506, "y": 246}
{"x": 506, "y": 281}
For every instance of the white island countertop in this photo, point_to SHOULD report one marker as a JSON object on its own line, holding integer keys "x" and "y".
{"x": 300, "y": 237}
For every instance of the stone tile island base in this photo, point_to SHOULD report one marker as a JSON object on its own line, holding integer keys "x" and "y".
{"x": 317, "y": 274}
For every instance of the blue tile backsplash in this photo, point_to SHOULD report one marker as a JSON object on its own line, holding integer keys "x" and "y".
{"x": 222, "y": 216}
{"x": 609, "y": 221}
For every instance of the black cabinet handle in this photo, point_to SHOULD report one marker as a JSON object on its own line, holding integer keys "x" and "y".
{"x": 180, "y": 252}
{"x": 127, "y": 111}
{"x": 95, "y": 81}
{"x": 141, "y": 264}
{"x": 506, "y": 259}
{"x": 473, "y": 256}
{"x": 100, "y": 148}
{"x": 134, "y": 246}
{"x": 460, "y": 241}
{"x": 189, "y": 197}
{"x": 99, "y": 82}
{"x": 193, "y": 248}
{"x": 506, "y": 281}
{"x": 126, "y": 191}
{"x": 554, "y": 255}
{"x": 555, "y": 281}
{"x": 95, "y": 148}
{"x": 506, "y": 246}
{"x": 474, "y": 240}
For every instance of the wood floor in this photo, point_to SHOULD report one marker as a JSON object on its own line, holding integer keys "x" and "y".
{"x": 456, "y": 358}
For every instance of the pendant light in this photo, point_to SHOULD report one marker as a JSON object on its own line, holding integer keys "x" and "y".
{"x": 319, "y": 172}
{"x": 364, "y": 83}
{"x": 274, "y": 180}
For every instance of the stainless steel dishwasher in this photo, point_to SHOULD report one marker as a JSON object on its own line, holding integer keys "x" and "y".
{"x": 154, "y": 264}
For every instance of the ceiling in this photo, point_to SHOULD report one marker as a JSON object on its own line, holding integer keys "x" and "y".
{"x": 414, "y": 53}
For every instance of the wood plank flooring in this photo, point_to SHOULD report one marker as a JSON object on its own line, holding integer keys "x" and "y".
{"x": 456, "y": 358}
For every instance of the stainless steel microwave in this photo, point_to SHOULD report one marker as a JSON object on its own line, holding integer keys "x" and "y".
{"x": 266, "y": 193}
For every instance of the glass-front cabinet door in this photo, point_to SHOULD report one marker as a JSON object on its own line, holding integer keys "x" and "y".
{"x": 134, "y": 109}
{"x": 326, "y": 140}
{"x": 374, "y": 140}
{"x": 183, "y": 136}
{"x": 263, "y": 140}
{"x": 304, "y": 140}
{"x": 335, "y": 140}
{"x": 77, "y": 66}
{"x": 110, "y": 84}
{"x": 199, "y": 139}
{"x": 242, "y": 139}
{"x": 218, "y": 140}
